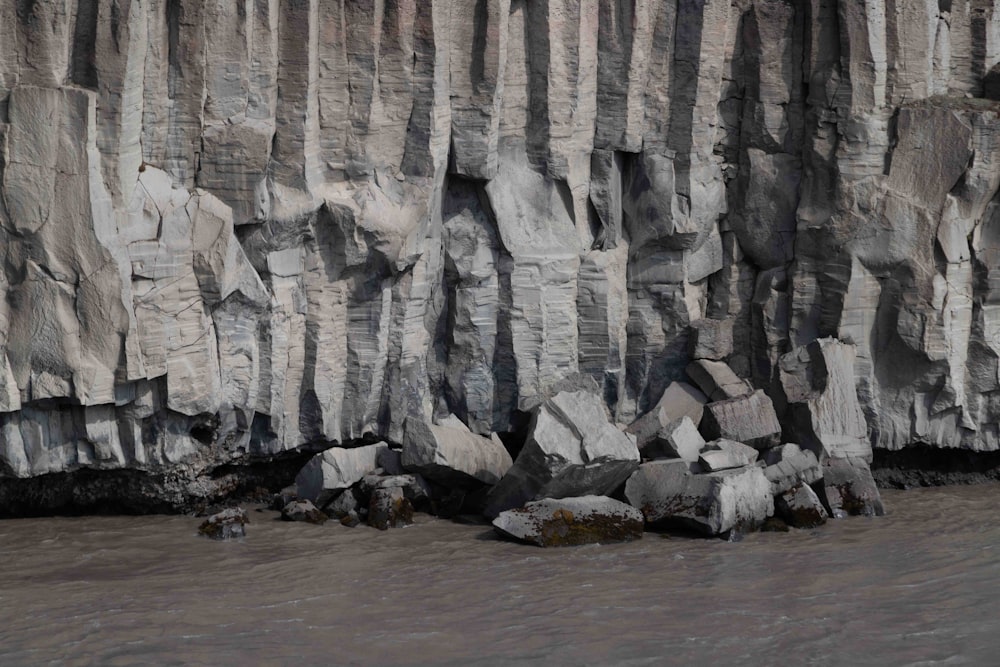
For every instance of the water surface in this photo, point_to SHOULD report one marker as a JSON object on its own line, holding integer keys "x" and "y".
{"x": 919, "y": 587}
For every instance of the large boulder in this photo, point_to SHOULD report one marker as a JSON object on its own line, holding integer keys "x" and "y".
{"x": 679, "y": 400}
{"x": 389, "y": 508}
{"x": 726, "y": 454}
{"x": 748, "y": 419}
{"x": 572, "y": 449}
{"x": 713, "y": 503}
{"x": 789, "y": 465}
{"x": 303, "y": 510}
{"x": 823, "y": 409}
{"x": 330, "y": 472}
{"x": 848, "y": 488}
{"x": 717, "y": 379}
{"x": 678, "y": 439}
{"x": 452, "y": 455}
{"x": 571, "y": 521}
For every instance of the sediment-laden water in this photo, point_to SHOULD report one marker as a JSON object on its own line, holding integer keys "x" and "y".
{"x": 919, "y": 586}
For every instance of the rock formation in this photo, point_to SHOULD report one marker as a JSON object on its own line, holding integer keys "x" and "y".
{"x": 236, "y": 231}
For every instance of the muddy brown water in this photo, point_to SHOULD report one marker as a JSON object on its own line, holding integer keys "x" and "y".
{"x": 917, "y": 587}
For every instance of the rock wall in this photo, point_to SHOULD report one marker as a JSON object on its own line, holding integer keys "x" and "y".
{"x": 235, "y": 229}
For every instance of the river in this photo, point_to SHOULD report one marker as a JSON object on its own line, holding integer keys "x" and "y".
{"x": 919, "y": 586}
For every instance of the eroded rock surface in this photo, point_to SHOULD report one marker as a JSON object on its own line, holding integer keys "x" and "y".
{"x": 571, "y": 522}
{"x": 237, "y": 231}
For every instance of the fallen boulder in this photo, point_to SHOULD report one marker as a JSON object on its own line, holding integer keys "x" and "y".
{"x": 678, "y": 439}
{"x": 330, "y": 472}
{"x": 789, "y": 465}
{"x": 571, "y": 521}
{"x": 389, "y": 508}
{"x": 452, "y": 455}
{"x": 800, "y": 507}
{"x": 849, "y": 489}
{"x": 679, "y": 400}
{"x": 713, "y": 503}
{"x": 717, "y": 380}
{"x": 726, "y": 454}
{"x": 572, "y": 449}
{"x": 225, "y": 525}
{"x": 303, "y": 510}
{"x": 748, "y": 419}
{"x": 824, "y": 413}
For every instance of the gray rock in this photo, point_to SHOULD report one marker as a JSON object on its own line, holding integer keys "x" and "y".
{"x": 800, "y": 507}
{"x": 571, "y": 522}
{"x": 336, "y": 469}
{"x": 390, "y": 461}
{"x": 414, "y": 487}
{"x": 849, "y": 489}
{"x": 450, "y": 454}
{"x": 818, "y": 381}
{"x": 711, "y": 339}
{"x": 303, "y": 510}
{"x": 679, "y": 400}
{"x": 342, "y": 505}
{"x": 678, "y": 439}
{"x": 748, "y": 419}
{"x": 572, "y": 450}
{"x": 713, "y": 503}
{"x": 789, "y": 465}
{"x": 228, "y": 524}
{"x": 717, "y": 380}
{"x": 389, "y": 508}
{"x": 726, "y": 454}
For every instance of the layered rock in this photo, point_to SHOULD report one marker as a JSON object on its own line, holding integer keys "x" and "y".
{"x": 233, "y": 232}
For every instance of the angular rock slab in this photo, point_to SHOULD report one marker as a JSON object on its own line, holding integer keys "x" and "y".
{"x": 572, "y": 450}
{"x": 571, "y": 522}
{"x": 790, "y": 465}
{"x": 680, "y": 439}
{"x": 713, "y": 503}
{"x": 452, "y": 455}
{"x": 336, "y": 469}
{"x": 679, "y": 400}
{"x": 717, "y": 379}
{"x": 711, "y": 339}
{"x": 849, "y": 489}
{"x": 726, "y": 455}
{"x": 748, "y": 419}
{"x": 800, "y": 507}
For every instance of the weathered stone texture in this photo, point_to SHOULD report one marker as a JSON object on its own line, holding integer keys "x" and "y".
{"x": 231, "y": 231}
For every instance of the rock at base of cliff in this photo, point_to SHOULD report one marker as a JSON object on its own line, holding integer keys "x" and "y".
{"x": 790, "y": 465}
{"x": 848, "y": 488}
{"x": 679, "y": 439}
{"x": 717, "y": 380}
{"x": 572, "y": 450}
{"x": 450, "y": 454}
{"x": 330, "y": 472}
{"x": 228, "y": 524}
{"x": 748, "y": 419}
{"x": 303, "y": 510}
{"x": 713, "y": 503}
{"x": 725, "y": 455}
{"x": 800, "y": 507}
{"x": 571, "y": 522}
{"x": 679, "y": 400}
{"x": 389, "y": 508}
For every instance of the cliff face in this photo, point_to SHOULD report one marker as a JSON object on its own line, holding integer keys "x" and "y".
{"x": 234, "y": 229}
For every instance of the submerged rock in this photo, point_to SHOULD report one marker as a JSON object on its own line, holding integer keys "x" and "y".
{"x": 713, "y": 503}
{"x": 303, "y": 510}
{"x": 389, "y": 508}
{"x": 225, "y": 525}
{"x": 800, "y": 507}
{"x": 848, "y": 488}
{"x": 572, "y": 450}
{"x": 571, "y": 522}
